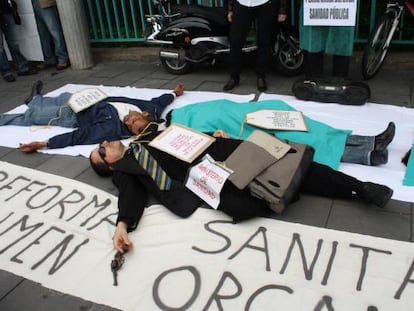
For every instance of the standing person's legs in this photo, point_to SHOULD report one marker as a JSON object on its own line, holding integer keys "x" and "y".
{"x": 314, "y": 65}
{"x": 20, "y": 61}
{"x": 4, "y": 62}
{"x": 46, "y": 40}
{"x": 340, "y": 66}
{"x": 242, "y": 18}
{"x": 5, "y": 67}
{"x": 51, "y": 19}
{"x": 266, "y": 19}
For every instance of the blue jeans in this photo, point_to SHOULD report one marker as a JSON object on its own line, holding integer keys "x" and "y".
{"x": 43, "y": 111}
{"x": 6, "y": 28}
{"x": 358, "y": 149}
{"x": 50, "y": 33}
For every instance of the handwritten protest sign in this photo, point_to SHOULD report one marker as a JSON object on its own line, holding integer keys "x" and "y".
{"x": 329, "y": 12}
{"x": 206, "y": 179}
{"x": 289, "y": 120}
{"x": 182, "y": 142}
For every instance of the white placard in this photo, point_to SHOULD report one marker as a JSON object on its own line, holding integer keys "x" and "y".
{"x": 182, "y": 142}
{"x": 206, "y": 179}
{"x": 289, "y": 120}
{"x": 329, "y": 12}
{"x": 85, "y": 98}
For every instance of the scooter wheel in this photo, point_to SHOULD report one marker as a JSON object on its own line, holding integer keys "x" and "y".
{"x": 176, "y": 66}
{"x": 287, "y": 62}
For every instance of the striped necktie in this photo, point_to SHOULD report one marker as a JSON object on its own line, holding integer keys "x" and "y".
{"x": 148, "y": 163}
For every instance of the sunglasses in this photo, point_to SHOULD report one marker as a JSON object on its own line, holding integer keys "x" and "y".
{"x": 102, "y": 153}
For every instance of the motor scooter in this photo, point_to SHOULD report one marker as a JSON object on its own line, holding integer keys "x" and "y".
{"x": 193, "y": 34}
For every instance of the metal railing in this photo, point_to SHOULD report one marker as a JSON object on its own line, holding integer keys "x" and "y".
{"x": 122, "y": 21}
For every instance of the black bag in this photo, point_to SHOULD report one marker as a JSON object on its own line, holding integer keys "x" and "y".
{"x": 341, "y": 91}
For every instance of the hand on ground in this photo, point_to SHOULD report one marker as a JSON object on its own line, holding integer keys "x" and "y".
{"x": 32, "y": 147}
{"x": 179, "y": 90}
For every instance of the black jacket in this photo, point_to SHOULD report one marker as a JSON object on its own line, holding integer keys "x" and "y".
{"x": 135, "y": 185}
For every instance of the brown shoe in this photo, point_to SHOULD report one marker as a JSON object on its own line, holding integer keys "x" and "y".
{"x": 44, "y": 65}
{"x": 62, "y": 65}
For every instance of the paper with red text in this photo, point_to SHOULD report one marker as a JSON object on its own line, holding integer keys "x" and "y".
{"x": 182, "y": 142}
{"x": 206, "y": 179}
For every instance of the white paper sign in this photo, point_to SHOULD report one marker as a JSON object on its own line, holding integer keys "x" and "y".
{"x": 288, "y": 120}
{"x": 206, "y": 180}
{"x": 329, "y": 12}
{"x": 182, "y": 142}
{"x": 85, "y": 98}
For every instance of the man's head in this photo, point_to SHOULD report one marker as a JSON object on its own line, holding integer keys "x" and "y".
{"x": 137, "y": 121}
{"x": 106, "y": 154}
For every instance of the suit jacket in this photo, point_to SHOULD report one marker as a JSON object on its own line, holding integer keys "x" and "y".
{"x": 101, "y": 121}
{"x": 135, "y": 185}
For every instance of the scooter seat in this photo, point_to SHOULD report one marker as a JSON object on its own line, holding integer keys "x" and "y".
{"x": 216, "y": 15}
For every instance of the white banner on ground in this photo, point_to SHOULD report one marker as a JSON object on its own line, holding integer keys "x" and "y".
{"x": 58, "y": 232}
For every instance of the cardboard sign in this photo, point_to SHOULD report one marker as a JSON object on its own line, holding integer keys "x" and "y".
{"x": 182, "y": 142}
{"x": 206, "y": 179}
{"x": 288, "y": 120}
{"x": 329, "y": 13}
{"x": 85, "y": 98}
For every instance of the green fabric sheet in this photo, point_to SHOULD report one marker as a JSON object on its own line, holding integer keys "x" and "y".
{"x": 329, "y": 142}
{"x": 409, "y": 173}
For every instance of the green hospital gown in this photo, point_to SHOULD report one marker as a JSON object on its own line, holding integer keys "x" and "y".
{"x": 329, "y": 142}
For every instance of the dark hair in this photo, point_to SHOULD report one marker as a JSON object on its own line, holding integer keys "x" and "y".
{"x": 101, "y": 168}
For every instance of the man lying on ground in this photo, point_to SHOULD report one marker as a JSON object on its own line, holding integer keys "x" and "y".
{"x": 110, "y": 119}
{"x": 332, "y": 145}
{"x": 135, "y": 184}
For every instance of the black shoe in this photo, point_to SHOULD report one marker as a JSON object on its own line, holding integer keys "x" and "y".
{"x": 376, "y": 194}
{"x": 385, "y": 138}
{"x": 36, "y": 90}
{"x": 9, "y": 78}
{"x": 27, "y": 72}
{"x": 231, "y": 84}
{"x": 261, "y": 84}
{"x": 379, "y": 157}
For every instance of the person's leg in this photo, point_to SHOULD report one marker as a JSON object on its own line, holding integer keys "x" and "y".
{"x": 44, "y": 111}
{"x": 314, "y": 65}
{"x": 51, "y": 19}
{"x": 340, "y": 67}
{"x": 4, "y": 62}
{"x": 46, "y": 39}
{"x": 266, "y": 19}
{"x": 242, "y": 18}
{"x": 369, "y": 150}
{"x": 18, "y": 58}
{"x": 324, "y": 181}
{"x": 358, "y": 149}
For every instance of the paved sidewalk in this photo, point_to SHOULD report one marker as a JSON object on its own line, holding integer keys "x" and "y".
{"x": 139, "y": 67}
